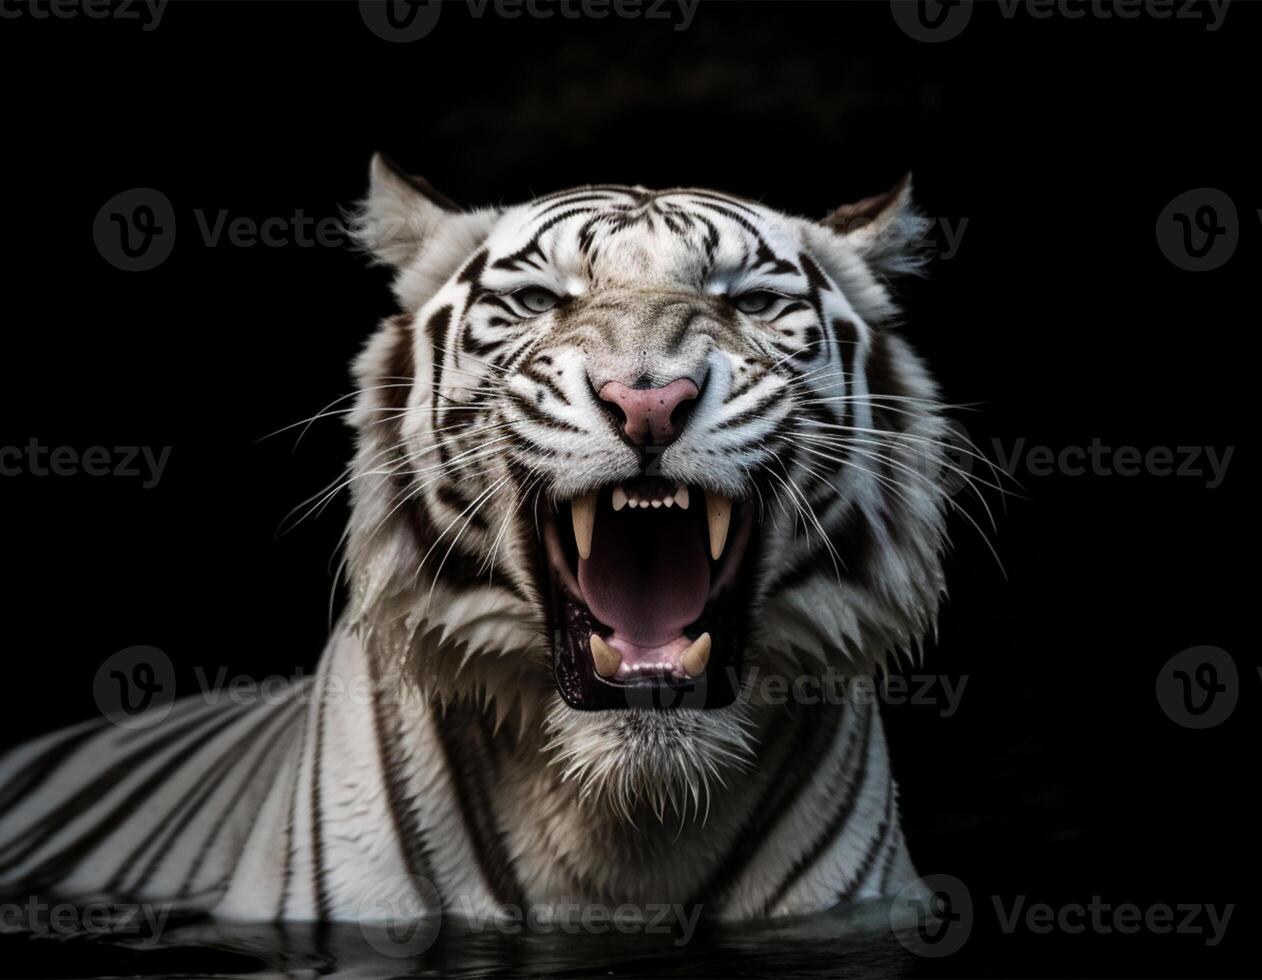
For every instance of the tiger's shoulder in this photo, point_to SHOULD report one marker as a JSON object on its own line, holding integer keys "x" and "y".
{"x": 307, "y": 804}
{"x": 158, "y": 809}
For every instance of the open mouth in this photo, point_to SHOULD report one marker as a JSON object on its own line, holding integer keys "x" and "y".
{"x": 649, "y": 580}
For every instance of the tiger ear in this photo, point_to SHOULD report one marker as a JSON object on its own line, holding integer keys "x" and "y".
{"x": 400, "y": 212}
{"x": 886, "y": 229}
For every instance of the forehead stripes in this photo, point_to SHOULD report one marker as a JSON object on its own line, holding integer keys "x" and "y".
{"x": 596, "y": 217}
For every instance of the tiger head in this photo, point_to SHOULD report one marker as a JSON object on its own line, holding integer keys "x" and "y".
{"x": 623, "y": 452}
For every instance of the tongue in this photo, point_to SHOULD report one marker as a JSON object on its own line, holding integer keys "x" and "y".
{"x": 647, "y": 578}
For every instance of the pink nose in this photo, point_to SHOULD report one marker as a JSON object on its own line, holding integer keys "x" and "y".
{"x": 647, "y": 411}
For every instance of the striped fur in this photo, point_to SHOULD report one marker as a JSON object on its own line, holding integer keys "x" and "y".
{"x": 464, "y": 768}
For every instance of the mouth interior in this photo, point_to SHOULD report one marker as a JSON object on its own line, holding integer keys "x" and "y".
{"x": 646, "y": 579}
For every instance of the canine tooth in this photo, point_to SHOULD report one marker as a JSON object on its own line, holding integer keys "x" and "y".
{"x": 619, "y": 498}
{"x": 681, "y": 497}
{"x": 583, "y": 512}
{"x": 697, "y": 656}
{"x": 718, "y": 509}
{"x": 605, "y": 657}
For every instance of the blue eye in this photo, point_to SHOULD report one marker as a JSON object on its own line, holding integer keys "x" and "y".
{"x": 757, "y": 301}
{"x": 536, "y": 299}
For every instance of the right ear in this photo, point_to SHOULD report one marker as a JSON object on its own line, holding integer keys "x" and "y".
{"x": 399, "y": 214}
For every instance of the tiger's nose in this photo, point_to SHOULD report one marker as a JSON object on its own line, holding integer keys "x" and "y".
{"x": 649, "y": 416}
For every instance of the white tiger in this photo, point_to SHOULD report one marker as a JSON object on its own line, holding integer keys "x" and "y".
{"x": 623, "y": 456}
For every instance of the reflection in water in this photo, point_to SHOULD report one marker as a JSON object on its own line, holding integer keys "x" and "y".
{"x": 853, "y": 942}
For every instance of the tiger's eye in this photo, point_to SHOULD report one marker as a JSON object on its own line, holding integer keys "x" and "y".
{"x": 536, "y": 299}
{"x": 757, "y": 301}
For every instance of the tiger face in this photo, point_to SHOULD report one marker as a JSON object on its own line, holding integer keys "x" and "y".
{"x": 625, "y": 451}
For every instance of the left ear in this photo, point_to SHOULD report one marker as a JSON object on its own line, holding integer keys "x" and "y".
{"x": 399, "y": 214}
{"x": 886, "y": 230}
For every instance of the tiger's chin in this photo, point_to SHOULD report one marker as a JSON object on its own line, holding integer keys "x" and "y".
{"x": 638, "y": 765}
{"x": 648, "y": 582}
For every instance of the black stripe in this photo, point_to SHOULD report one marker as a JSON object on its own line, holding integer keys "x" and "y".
{"x": 612, "y": 188}
{"x": 451, "y": 495}
{"x": 778, "y": 265}
{"x": 887, "y": 866}
{"x": 814, "y": 275}
{"x": 794, "y": 307}
{"x": 466, "y": 750}
{"x": 319, "y": 877}
{"x": 566, "y": 201}
{"x": 287, "y": 873}
{"x": 54, "y": 868}
{"x": 857, "y": 780}
{"x": 437, "y": 328}
{"x": 35, "y": 773}
{"x": 810, "y": 735}
{"x": 276, "y": 743}
{"x": 473, "y": 269}
{"x": 83, "y": 800}
{"x": 400, "y": 364}
{"x": 386, "y": 726}
{"x": 480, "y": 348}
{"x": 727, "y": 199}
{"x": 883, "y": 834}
{"x": 744, "y": 223}
{"x": 460, "y": 569}
{"x": 183, "y": 812}
{"x": 753, "y": 412}
{"x": 534, "y": 414}
{"x": 544, "y": 381}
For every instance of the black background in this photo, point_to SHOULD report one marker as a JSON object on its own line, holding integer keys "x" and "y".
{"x": 1060, "y": 141}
